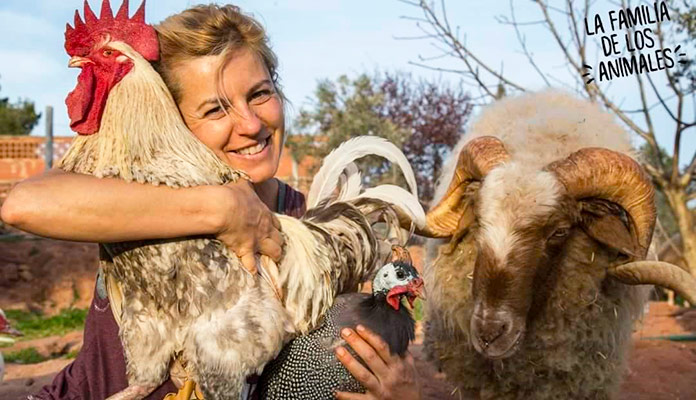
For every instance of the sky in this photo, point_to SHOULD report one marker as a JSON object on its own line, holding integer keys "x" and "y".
{"x": 314, "y": 40}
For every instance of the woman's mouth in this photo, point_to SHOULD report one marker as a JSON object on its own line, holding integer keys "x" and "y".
{"x": 252, "y": 150}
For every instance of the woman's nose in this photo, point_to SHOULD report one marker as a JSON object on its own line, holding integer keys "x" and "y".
{"x": 247, "y": 123}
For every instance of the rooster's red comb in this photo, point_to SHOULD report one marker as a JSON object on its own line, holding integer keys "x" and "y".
{"x": 80, "y": 40}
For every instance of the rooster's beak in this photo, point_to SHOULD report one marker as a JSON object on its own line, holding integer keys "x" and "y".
{"x": 78, "y": 62}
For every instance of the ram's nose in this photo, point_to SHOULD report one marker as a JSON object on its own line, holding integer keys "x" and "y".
{"x": 488, "y": 331}
{"x": 495, "y": 335}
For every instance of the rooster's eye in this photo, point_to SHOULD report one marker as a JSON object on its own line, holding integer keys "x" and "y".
{"x": 107, "y": 53}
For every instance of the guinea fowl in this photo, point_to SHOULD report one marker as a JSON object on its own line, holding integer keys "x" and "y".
{"x": 307, "y": 367}
{"x": 5, "y": 329}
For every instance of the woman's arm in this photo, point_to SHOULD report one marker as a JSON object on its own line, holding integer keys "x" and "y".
{"x": 80, "y": 207}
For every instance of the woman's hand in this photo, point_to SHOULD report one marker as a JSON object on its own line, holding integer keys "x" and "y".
{"x": 249, "y": 227}
{"x": 389, "y": 376}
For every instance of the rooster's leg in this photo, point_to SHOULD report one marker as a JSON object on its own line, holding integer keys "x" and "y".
{"x": 149, "y": 342}
{"x": 133, "y": 393}
{"x": 235, "y": 342}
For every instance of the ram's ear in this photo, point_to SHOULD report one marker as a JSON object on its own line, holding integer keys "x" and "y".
{"x": 609, "y": 224}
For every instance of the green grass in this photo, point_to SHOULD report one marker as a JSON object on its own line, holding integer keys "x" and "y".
{"x": 24, "y": 356}
{"x": 72, "y": 354}
{"x": 34, "y": 325}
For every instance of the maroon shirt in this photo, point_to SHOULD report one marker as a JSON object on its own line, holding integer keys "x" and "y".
{"x": 99, "y": 370}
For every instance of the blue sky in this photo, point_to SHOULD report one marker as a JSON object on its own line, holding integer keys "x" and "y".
{"x": 313, "y": 39}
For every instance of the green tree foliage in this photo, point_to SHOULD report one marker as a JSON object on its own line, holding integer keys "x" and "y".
{"x": 424, "y": 118}
{"x": 17, "y": 118}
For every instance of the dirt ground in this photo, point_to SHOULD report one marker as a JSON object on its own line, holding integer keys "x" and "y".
{"x": 658, "y": 369}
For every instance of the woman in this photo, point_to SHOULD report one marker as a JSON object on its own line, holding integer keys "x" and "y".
{"x": 206, "y": 52}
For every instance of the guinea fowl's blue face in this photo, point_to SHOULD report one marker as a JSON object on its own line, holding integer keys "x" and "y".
{"x": 397, "y": 280}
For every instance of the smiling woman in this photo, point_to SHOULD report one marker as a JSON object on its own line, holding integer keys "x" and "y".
{"x": 218, "y": 65}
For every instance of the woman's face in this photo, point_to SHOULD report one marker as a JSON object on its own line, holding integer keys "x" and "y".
{"x": 248, "y": 132}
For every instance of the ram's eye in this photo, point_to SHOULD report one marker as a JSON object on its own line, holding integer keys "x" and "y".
{"x": 560, "y": 233}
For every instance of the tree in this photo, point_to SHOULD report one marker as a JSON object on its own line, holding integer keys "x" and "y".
{"x": 17, "y": 118}
{"x": 424, "y": 118}
{"x": 564, "y": 23}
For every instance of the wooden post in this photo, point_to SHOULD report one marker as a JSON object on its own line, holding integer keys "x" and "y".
{"x": 49, "y": 137}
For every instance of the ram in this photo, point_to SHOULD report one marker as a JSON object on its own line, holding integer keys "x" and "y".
{"x": 548, "y": 220}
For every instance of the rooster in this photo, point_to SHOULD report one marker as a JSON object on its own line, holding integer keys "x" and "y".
{"x": 191, "y": 297}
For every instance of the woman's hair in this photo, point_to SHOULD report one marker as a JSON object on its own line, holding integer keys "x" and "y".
{"x": 206, "y": 30}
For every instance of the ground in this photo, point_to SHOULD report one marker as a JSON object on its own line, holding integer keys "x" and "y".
{"x": 51, "y": 275}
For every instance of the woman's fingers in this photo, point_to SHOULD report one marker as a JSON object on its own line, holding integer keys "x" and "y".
{"x": 361, "y": 374}
{"x": 379, "y": 345}
{"x": 275, "y": 221}
{"x": 352, "y": 396}
{"x": 277, "y": 237}
{"x": 270, "y": 248}
{"x": 249, "y": 261}
{"x": 367, "y": 352}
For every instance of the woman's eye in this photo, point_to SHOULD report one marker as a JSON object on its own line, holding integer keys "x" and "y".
{"x": 261, "y": 96}
{"x": 213, "y": 112}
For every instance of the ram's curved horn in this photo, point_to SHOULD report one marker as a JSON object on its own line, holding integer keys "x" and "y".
{"x": 476, "y": 159}
{"x": 606, "y": 174}
{"x": 657, "y": 273}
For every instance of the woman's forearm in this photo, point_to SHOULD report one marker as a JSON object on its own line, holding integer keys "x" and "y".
{"x": 80, "y": 207}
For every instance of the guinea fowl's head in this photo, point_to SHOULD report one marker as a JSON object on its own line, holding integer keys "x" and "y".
{"x": 5, "y": 327}
{"x": 90, "y": 44}
{"x": 395, "y": 281}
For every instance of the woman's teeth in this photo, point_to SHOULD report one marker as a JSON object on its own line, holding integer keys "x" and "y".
{"x": 251, "y": 150}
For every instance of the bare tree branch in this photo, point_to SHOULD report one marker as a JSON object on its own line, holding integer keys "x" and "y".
{"x": 656, "y": 175}
{"x": 523, "y": 43}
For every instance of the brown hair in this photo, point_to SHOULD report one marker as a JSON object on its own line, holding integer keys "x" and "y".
{"x": 206, "y": 30}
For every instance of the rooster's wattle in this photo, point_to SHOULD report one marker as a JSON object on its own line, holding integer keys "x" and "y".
{"x": 191, "y": 297}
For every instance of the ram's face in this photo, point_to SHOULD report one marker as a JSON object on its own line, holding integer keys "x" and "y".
{"x": 529, "y": 223}
{"x": 523, "y": 221}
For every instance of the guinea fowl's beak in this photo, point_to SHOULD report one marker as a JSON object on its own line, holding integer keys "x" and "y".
{"x": 78, "y": 62}
{"x": 417, "y": 288}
